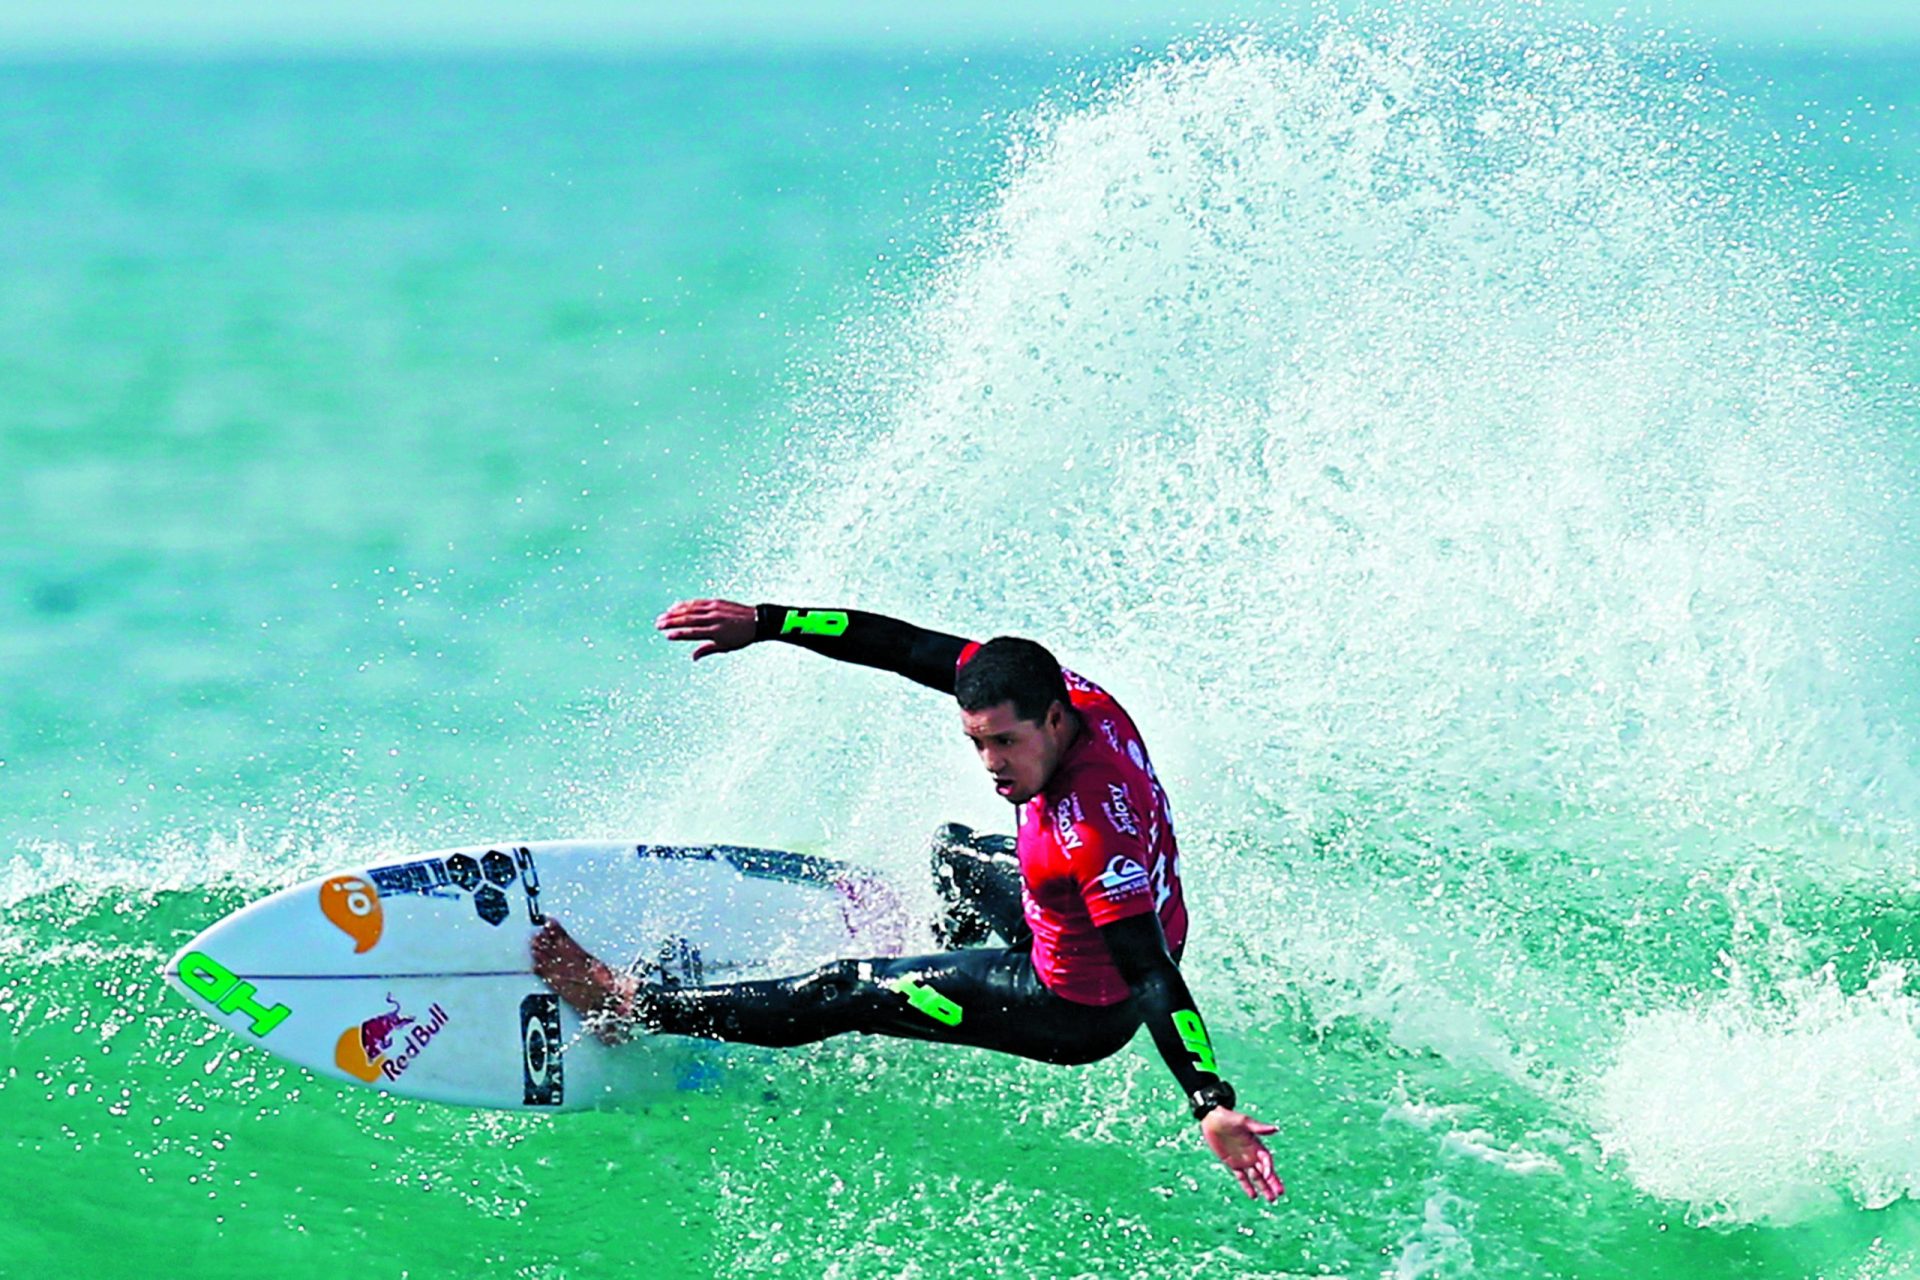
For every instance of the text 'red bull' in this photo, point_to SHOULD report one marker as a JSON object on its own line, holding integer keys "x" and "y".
{"x": 367, "y": 1052}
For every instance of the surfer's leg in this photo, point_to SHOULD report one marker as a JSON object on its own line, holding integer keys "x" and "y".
{"x": 777, "y": 1012}
{"x": 978, "y": 880}
{"x": 991, "y": 998}
{"x": 987, "y": 998}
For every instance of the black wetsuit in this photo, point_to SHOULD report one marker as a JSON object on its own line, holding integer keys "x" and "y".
{"x": 987, "y": 996}
{"x": 1004, "y": 1003}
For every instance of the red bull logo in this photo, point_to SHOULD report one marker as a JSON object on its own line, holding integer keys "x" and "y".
{"x": 367, "y": 1052}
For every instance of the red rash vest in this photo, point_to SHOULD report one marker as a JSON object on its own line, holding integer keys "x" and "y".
{"x": 1097, "y": 846}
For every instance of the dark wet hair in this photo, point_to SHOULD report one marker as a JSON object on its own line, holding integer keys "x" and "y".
{"x": 1009, "y": 669}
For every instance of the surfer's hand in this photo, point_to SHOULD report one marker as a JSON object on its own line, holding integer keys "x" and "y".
{"x": 603, "y": 997}
{"x": 721, "y": 626}
{"x": 1235, "y": 1138}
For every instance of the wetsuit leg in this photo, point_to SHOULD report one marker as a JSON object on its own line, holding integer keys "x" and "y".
{"x": 990, "y": 998}
{"x": 978, "y": 880}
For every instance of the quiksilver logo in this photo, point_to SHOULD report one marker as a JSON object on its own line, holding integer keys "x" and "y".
{"x": 1123, "y": 876}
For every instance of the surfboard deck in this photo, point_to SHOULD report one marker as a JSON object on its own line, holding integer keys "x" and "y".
{"x": 414, "y": 975}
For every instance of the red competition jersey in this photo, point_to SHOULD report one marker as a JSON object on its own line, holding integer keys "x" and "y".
{"x": 1097, "y": 846}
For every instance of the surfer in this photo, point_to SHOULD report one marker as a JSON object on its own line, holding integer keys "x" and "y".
{"x": 1086, "y": 900}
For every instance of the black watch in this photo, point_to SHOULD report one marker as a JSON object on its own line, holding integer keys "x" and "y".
{"x": 1207, "y": 1097}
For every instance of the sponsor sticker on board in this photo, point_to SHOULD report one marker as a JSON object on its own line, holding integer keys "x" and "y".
{"x": 541, "y": 1069}
{"x": 485, "y": 877}
{"x": 369, "y": 1051}
{"x": 226, "y": 991}
{"x": 352, "y": 905}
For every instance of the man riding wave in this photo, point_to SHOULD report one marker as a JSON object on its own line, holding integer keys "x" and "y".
{"x": 1086, "y": 898}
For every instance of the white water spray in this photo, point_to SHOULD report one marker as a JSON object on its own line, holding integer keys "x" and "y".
{"x": 1433, "y": 445}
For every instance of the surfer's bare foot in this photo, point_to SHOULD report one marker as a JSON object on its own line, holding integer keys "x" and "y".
{"x": 603, "y": 997}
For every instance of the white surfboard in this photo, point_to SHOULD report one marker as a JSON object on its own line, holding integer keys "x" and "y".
{"x": 414, "y": 976}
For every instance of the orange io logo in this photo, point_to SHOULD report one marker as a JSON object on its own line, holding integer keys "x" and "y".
{"x": 353, "y": 906}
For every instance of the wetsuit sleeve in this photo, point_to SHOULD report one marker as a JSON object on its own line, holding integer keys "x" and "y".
{"x": 1100, "y": 830}
{"x": 869, "y": 639}
{"x": 1160, "y": 993}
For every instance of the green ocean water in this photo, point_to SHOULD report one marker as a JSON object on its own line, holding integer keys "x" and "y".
{"x": 1483, "y": 460}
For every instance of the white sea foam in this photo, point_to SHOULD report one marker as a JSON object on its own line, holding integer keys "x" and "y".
{"x": 1414, "y": 426}
{"x": 1773, "y": 1109}
{"x": 1442, "y": 1245}
{"x": 1436, "y": 443}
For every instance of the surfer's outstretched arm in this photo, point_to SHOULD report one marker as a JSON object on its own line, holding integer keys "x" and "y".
{"x": 1167, "y": 1008}
{"x": 870, "y": 639}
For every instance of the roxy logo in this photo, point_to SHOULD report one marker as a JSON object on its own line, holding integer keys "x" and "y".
{"x": 1119, "y": 812}
{"x": 367, "y": 1052}
{"x": 1065, "y": 814}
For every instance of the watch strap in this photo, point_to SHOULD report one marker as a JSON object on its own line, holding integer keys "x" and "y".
{"x": 1207, "y": 1097}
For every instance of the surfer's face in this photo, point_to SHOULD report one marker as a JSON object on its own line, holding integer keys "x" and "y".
{"x": 1020, "y": 755}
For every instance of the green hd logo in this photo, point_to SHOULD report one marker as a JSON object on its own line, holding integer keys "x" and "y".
{"x": 219, "y": 987}
{"x": 814, "y": 622}
{"x": 1193, "y": 1035}
{"x": 928, "y": 1001}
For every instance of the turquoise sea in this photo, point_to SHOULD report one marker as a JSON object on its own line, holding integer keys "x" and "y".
{"x": 1482, "y": 454}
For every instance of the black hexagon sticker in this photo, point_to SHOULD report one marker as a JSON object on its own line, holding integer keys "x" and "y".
{"x": 491, "y": 904}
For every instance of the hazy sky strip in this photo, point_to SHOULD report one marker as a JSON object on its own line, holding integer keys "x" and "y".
{"x": 185, "y": 26}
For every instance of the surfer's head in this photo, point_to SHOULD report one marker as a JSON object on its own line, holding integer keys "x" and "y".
{"x": 1014, "y": 707}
